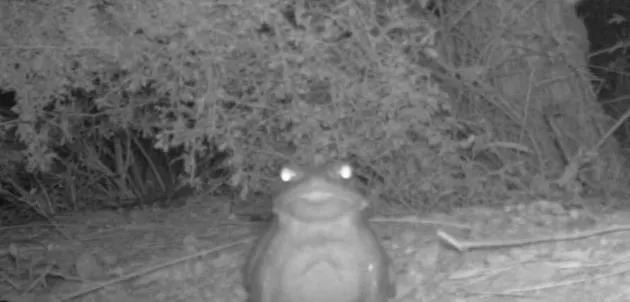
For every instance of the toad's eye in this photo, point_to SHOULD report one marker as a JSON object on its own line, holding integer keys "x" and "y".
{"x": 288, "y": 174}
{"x": 344, "y": 171}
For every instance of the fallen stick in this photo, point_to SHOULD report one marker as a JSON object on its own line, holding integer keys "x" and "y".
{"x": 416, "y": 219}
{"x": 465, "y": 245}
{"x": 152, "y": 268}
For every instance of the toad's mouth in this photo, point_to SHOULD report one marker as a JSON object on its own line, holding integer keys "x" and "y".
{"x": 318, "y": 196}
{"x": 321, "y": 205}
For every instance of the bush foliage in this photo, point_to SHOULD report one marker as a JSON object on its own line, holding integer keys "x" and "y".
{"x": 100, "y": 84}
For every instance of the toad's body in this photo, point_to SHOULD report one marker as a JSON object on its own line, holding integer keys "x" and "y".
{"x": 319, "y": 247}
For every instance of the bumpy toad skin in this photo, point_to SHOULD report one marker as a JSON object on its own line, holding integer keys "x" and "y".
{"x": 320, "y": 247}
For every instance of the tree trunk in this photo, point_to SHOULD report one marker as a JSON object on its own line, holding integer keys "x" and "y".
{"x": 534, "y": 55}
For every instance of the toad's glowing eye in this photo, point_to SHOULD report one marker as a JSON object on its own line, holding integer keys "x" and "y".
{"x": 287, "y": 174}
{"x": 345, "y": 171}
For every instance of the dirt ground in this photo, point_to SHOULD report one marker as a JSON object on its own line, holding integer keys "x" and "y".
{"x": 191, "y": 254}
